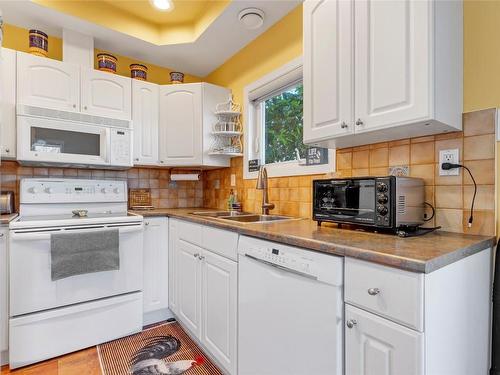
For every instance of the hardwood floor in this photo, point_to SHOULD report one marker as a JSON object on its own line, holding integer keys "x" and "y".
{"x": 83, "y": 362}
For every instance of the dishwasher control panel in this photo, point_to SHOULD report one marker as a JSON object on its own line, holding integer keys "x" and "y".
{"x": 283, "y": 258}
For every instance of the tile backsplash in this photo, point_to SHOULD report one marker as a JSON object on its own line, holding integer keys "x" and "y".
{"x": 450, "y": 195}
{"x": 163, "y": 193}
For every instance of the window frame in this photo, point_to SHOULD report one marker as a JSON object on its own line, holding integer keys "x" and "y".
{"x": 274, "y": 82}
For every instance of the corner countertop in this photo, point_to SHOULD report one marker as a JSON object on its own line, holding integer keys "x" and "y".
{"x": 7, "y": 218}
{"x": 422, "y": 254}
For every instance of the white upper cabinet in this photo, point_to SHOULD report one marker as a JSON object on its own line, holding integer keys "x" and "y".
{"x": 392, "y": 62}
{"x": 406, "y": 79}
{"x": 145, "y": 116}
{"x": 187, "y": 117}
{"x": 181, "y": 124}
{"x": 47, "y": 83}
{"x": 105, "y": 94}
{"x": 8, "y": 100}
{"x": 328, "y": 70}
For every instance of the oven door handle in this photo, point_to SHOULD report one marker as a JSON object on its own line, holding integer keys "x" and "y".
{"x": 45, "y": 235}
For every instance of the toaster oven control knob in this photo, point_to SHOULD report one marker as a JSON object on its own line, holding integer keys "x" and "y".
{"x": 382, "y": 210}
{"x": 382, "y": 198}
{"x": 49, "y": 190}
{"x": 382, "y": 187}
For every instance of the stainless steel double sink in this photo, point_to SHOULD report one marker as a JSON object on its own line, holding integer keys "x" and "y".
{"x": 242, "y": 217}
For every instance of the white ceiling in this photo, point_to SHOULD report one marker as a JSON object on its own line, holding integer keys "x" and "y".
{"x": 221, "y": 40}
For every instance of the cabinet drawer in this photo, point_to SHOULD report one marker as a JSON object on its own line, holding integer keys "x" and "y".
{"x": 189, "y": 232}
{"x": 220, "y": 241}
{"x": 390, "y": 292}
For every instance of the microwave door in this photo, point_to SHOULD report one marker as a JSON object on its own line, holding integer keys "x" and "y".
{"x": 55, "y": 141}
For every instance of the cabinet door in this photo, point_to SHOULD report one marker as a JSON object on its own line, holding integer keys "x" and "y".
{"x": 376, "y": 346}
{"x": 172, "y": 266}
{"x": 392, "y": 61}
{"x": 181, "y": 125}
{"x": 8, "y": 100}
{"x": 188, "y": 280}
{"x": 4, "y": 282}
{"x": 47, "y": 83}
{"x": 155, "y": 290}
{"x": 328, "y": 76}
{"x": 219, "y": 308}
{"x": 145, "y": 115}
{"x": 106, "y": 94}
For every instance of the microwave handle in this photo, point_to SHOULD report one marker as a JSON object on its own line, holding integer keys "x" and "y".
{"x": 107, "y": 145}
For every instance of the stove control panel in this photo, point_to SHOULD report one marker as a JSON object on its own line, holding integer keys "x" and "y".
{"x": 48, "y": 190}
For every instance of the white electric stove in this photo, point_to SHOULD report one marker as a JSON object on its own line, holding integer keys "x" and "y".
{"x": 49, "y": 318}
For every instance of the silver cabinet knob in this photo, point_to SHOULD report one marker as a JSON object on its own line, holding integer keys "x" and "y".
{"x": 201, "y": 257}
{"x": 7, "y": 150}
{"x": 196, "y": 255}
{"x": 146, "y": 223}
{"x": 351, "y": 323}
{"x": 161, "y": 161}
{"x": 343, "y": 125}
{"x": 373, "y": 291}
{"x": 74, "y": 105}
{"x": 85, "y": 107}
{"x": 1, "y": 235}
{"x": 136, "y": 159}
{"x": 359, "y": 122}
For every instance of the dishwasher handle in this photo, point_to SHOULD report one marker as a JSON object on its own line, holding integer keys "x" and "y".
{"x": 282, "y": 268}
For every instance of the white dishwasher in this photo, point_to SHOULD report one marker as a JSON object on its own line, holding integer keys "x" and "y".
{"x": 290, "y": 310}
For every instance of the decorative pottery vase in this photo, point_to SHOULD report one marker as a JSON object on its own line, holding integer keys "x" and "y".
{"x": 176, "y": 77}
{"x": 106, "y": 62}
{"x": 138, "y": 71}
{"x": 38, "y": 43}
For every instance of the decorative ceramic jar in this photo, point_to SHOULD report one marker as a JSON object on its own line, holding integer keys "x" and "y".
{"x": 138, "y": 71}
{"x": 176, "y": 77}
{"x": 38, "y": 43}
{"x": 106, "y": 62}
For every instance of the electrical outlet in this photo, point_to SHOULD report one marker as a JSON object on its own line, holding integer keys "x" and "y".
{"x": 449, "y": 156}
{"x": 233, "y": 180}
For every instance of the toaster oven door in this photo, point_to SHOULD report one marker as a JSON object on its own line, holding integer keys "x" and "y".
{"x": 350, "y": 200}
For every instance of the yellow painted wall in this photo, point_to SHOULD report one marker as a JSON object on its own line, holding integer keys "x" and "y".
{"x": 278, "y": 45}
{"x": 17, "y": 38}
{"x": 482, "y": 63}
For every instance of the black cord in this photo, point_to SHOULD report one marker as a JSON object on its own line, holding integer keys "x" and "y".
{"x": 448, "y": 166}
{"x": 418, "y": 232}
{"x": 433, "y": 211}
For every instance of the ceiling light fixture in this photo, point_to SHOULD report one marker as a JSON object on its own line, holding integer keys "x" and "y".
{"x": 162, "y": 4}
{"x": 251, "y": 18}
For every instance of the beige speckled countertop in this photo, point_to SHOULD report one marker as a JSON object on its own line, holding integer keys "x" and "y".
{"x": 419, "y": 254}
{"x": 7, "y": 218}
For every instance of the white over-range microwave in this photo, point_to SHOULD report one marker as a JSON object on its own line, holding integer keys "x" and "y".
{"x": 49, "y": 137}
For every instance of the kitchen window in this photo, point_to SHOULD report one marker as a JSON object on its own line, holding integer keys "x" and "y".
{"x": 274, "y": 119}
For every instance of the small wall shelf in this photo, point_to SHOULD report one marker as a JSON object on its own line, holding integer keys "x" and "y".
{"x": 227, "y": 131}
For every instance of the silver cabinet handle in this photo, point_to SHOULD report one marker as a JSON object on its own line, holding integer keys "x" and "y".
{"x": 1, "y": 235}
{"x": 351, "y": 323}
{"x": 136, "y": 159}
{"x": 201, "y": 257}
{"x": 373, "y": 291}
{"x": 343, "y": 125}
{"x": 359, "y": 122}
{"x": 196, "y": 255}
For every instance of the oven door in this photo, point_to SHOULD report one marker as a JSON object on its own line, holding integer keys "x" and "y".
{"x": 350, "y": 201}
{"x": 31, "y": 286}
{"x": 56, "y": 141}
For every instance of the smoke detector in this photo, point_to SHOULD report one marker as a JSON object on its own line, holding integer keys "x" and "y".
{"x": 251, "y": 18}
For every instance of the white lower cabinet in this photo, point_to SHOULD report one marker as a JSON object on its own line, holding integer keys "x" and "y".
{"x": 4, "y": 296}
{"x": 375, "y": 345}
{"x": 203, "y": 287}
{"x": 155, "y": 283}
